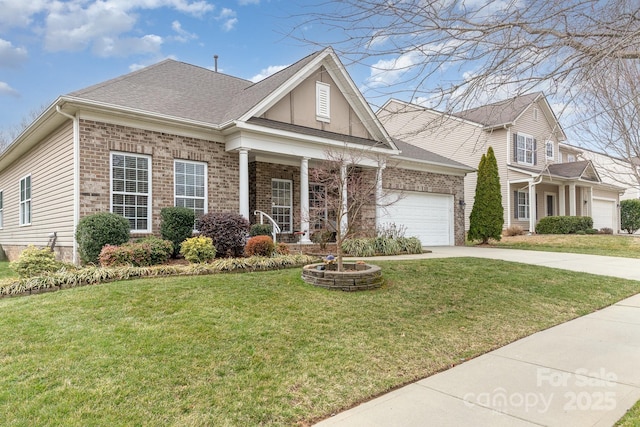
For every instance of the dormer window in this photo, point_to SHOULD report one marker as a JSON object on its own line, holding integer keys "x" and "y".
{"x": 323, "y": 102}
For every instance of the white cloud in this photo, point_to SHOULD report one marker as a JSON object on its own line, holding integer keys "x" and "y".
{"x": 266, "y": 72}
{"x": 229, "y": 18}
{"x": 19, "y": 13}
{"x": 183, "y": 35}
{"x": 138, "y": 66}
{"x": 387, "y": 72}
{"x": 5, "y": 89}
{"x": 107, "y": 46}
{"x": 11, "y": 56}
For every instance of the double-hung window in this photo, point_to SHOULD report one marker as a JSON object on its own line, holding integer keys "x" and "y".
{"x": 1, "y": 209}
{"x": 282, "y": 204}
{"x": 525, "y": 149}
{"x": 190, "y": 186}
{"x": 317, "y": 206}
{"x": 549, "y": 150}
{"x": 131, "y": 189}
{"x": 25, "y": 200}
{"x": 522, "y": 204}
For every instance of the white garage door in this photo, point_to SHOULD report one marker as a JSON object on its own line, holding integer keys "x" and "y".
{"x": 426, "y": 216}
{"x": 604, "y": 214}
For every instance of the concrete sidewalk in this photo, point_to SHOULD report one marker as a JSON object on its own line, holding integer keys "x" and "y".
{"x": 585, "y": 372}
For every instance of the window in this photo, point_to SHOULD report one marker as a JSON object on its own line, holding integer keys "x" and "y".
{"x": 1, "y": 209}
{"x": 317, "y": 206}
{"x": 131, "y": 189}
{"x": 571, "y": 158}
{"x": 190, "y": 186}
{"x": 25, "y": 200}
{"x": 525, "y": 149}
{"x": 282, "y": 203}
{"x": 522, "y": 205}
{"x": 323, "y": 102}
{"x": 549, "y": 150}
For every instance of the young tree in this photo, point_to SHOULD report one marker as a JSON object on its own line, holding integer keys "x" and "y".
{"x": 352, "y": 192}
{"x": 486, "y": 217}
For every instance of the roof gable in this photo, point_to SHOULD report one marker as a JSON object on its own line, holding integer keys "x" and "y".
{"x": 500, "y": 113}
{"x": 575, "y": 170}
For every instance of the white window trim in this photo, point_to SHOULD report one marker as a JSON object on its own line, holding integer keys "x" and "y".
{"x": 524, "y": 150}
{"x": 1, "y": 209}
{"x": 206, "y": 183}
{"x": 526, "y": 205}
{"x": 22, "y": 223}
{"x": 290, "y": 206}
{"x": 323, "y": 109}
{"x": 548, "y": 144}
{"x": 554, "y": 197}
{"x": 149, "y": 194}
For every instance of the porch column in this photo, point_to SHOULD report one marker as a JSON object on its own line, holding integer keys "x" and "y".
{"x": 590, "y": 202}
{"x": 572, "y": 199}
{"x": 304, "y": 200}
{"x": 344, "y": 220}
{"x": 562, "y": 211}
{"x": 532, "y": 208}
{"x": 381, "y": 166}
{"x": 244, "y": 182}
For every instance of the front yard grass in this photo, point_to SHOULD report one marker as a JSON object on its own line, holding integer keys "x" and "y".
{"x": 632, "y": 417}
{"x": 599, "y": 244}
{"x": 265, "y": 348}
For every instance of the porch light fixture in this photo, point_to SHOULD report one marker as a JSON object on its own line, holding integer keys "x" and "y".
{"x": 585, "y": 202}
{"x": 462, "y": 203}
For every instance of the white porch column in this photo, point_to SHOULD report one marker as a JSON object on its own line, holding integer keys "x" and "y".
{"x": 304, "y": 200}
{"x": 590, "y": 203}
{"x": 562, "y": 211}
{"x": 344, "y": 220}
{"x": 244, "y": 182}
{"x": 572, "y": 199}
{"x": 532, "y": 207}
{"x": 381, "y": 166}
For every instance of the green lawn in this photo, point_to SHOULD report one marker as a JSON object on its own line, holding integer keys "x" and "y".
{"x": 265, "y": 348}
{"x": 632, "y": 418}
{"x": 600, "y": 244}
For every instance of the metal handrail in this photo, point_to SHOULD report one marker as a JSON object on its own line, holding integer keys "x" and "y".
{"x": 275, "y": 227}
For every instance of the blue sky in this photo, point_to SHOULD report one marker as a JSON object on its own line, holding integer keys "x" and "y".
{"x": 49, "y": 48}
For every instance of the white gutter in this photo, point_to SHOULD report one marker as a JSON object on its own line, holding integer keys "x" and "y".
{"x": 76, "y": 177}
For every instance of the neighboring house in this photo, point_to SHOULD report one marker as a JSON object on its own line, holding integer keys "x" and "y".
{"x": 536, "y": 180}
{"x": 175, "y": 134}
{"x": 612, "y": 170}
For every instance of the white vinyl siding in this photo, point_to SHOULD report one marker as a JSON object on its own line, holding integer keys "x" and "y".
{"x": 131, "y": 189}
{"x": 323, "y": 102}
{"x": 190, "y": 186}
{"x": 52, "y": 199}
{"x": 25, "y": 200}
{"x": 282, "y": 203}
{"x": 1, "y": 209}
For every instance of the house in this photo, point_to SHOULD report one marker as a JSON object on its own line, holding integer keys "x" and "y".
{"x": 175, "y": 134}
{"x": 539, "y": 175}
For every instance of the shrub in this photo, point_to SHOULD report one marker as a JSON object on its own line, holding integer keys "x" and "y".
{"x": 260, "y": 246}
{"x": 591, "y": 231}
{"x": 227, "y": 230}
{"x": 116, "y": 256}
{"x": 391, "y": 230}
{"x": 95, "y": 231}
{"x": 487, "y": 215}
{"x": 513, "y": 230}
{"x": 630, "y": 215}
{"x": 564, "y": 225}
{"x": 387, "y": 246}
{"x": 322, "y": 237}
{"x": 35, "y": 262}
{"x": 606, "y": 230}
{"x": 282, "y": 249}
{"x": 176, "y": 226}
{"x": 198, "y": 250}
{"x": 261, "y": 230}
{"x": 160, "y": 250}
{"x": 411, "y": 245}
{"x": 359, "y": 247}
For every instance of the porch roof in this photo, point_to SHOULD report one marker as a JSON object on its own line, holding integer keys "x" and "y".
{"x": 574, "y": 170}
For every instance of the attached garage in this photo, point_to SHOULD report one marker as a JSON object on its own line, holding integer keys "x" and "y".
{"x": 604, "y": 214}
{"x": 427, "y": 216}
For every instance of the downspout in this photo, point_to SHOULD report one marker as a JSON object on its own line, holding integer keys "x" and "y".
{"x": 76, "y": 177}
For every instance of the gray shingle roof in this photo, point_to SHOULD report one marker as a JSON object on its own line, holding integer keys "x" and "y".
{"x": 411, "y": 152}
{"x": 499, "y": 113}
{"x": 573, "y": 170}
{"x": 187, "y": 91}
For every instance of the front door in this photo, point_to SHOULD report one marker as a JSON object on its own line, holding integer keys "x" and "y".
{"x": 550, "y": 202}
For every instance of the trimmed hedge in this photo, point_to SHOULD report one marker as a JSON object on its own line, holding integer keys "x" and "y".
{"x": 564, "y": 225}
{"x": 95, "y": 231}
{"x": 630, "y": 215}
{"x": 176, "y": 225}
{"x": 227, "y": 230}
{"x": 259, "y": 246}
